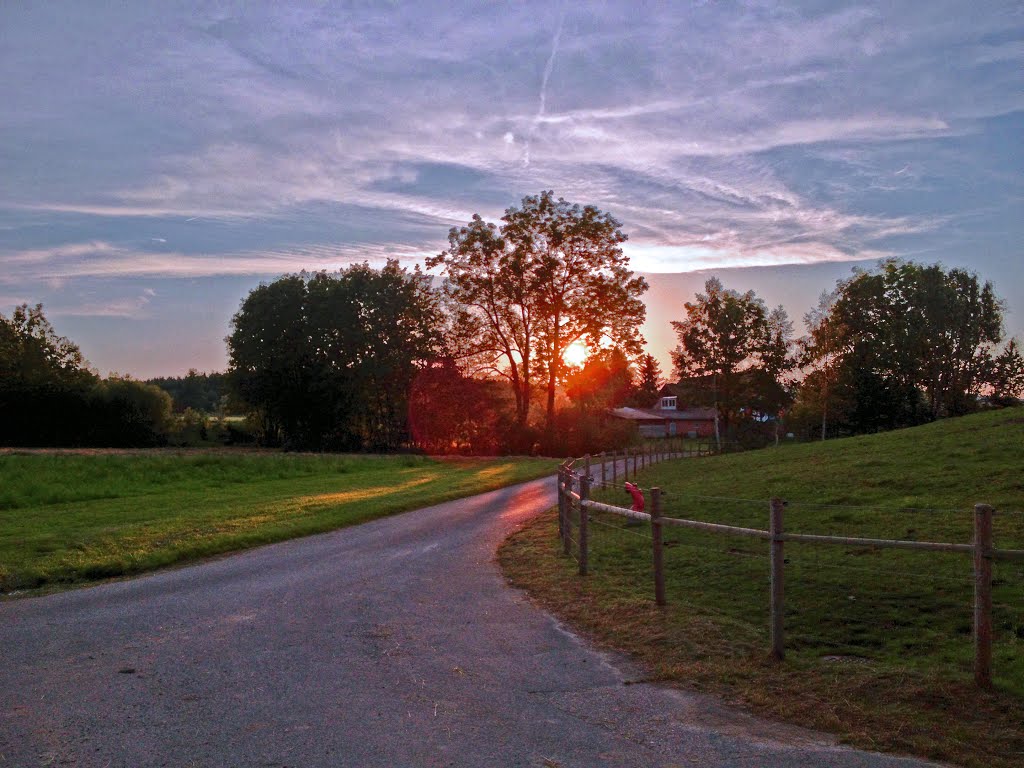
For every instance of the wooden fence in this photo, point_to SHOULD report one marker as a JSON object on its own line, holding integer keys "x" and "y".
{"x": 572, "y": 503}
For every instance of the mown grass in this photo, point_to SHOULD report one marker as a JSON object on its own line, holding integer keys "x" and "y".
{"x": 879, "y": 645}
{"x": 68, "y": 518}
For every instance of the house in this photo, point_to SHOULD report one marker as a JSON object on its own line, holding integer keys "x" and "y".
{"x": 669, "y": 417}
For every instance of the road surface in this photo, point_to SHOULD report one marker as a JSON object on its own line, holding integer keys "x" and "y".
{"x": 395, "y": 643}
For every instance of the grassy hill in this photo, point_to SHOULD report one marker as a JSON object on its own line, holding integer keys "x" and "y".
{"x": 879, "y": 645}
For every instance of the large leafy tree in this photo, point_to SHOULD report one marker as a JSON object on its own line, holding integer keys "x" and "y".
{"x": 819, "y": 349}
{"x": 492, "y": 295}
{"x": 902, "y": 344}
{"x": 327, "y": 360}
{"x": 736, "y": 349}
{"x": 271, "y": 365}
{"x": 551, "y": 275}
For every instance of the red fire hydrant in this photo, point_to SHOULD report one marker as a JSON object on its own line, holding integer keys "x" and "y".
{"x": 638, "y": 497}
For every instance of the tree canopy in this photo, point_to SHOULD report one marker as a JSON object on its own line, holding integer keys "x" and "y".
{"x": 735, "y": 349}
{"x": 604, "y": 381}
{"x": 648, "y": 383}
{"x": 201, "y": 392}
{"x": 903, "y": 344}
{"x": 49, "y": 397}
{"x": 327, "y": 360}
{"x": 551, "y": 275}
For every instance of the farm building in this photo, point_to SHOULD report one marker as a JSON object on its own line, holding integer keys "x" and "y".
{"x": 666, "y": 418}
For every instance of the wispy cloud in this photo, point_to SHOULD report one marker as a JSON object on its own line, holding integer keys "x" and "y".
{"x": 542, "y": 99}
{"x": 121, "y": 307}
{"x": 299, "y": 135}
{"x": 106, "y": 260}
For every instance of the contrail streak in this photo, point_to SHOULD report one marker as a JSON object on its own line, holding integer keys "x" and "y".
{"x": 548, "y": 67}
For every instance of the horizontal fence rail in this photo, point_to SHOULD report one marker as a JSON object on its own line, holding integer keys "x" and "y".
{"x": 573, "y": 508}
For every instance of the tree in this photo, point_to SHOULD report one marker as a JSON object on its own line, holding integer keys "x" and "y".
{"x": 202, "y": 392}
{"x": 31, "y": 351}
{"x": 49, "y": 397}
{"x": 493, "y": 295}
{"x": 553, "y": 274}
{"x": 327, "y": 360}
{"x": 453, "y": 413}
{"x": 730, "y": 340}
{"x": 1006, "y": 376}
{"x": 903, "y": 344}
{"x": 648, "y": 383}
{"x": 819, "y": 350}
{"x": 270, "y": 364}
{"x": 604, "y": 381}
{"x": 129, "y": 413}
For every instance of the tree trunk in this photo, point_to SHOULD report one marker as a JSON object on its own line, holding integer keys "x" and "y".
{"x": 824, "y": 405}
{"x": 714, "y": 394}
{"x": 525, "y": 415}
{"x": 553, "y": 362}
{"x": 522, "y": 406}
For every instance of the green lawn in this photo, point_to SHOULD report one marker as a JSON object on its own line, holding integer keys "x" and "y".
{"x": 879, "y": 643}
{"x": 67, "y": 518}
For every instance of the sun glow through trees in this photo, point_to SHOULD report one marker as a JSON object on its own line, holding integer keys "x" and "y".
{"x": 576, "y": 354}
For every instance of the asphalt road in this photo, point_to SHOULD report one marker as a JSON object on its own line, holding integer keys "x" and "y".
{"x": 395, "y": 643}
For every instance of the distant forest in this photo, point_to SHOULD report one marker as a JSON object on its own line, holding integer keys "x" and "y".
{"x": 525, "y": 345}
{"x": 202, "y": 392}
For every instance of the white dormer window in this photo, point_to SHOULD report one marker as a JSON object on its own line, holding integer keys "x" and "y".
{"x": 668, "y": 403}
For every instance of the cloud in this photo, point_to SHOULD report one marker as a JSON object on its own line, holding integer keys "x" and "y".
{"x": 695, "y": 124}
{"x": 123, "y": 307}
{"x": 106, "y": 260}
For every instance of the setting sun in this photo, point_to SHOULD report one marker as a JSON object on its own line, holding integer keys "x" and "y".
{"x": 576, "y": 354}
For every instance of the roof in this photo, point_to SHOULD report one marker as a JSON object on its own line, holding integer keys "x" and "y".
{"x": 657, "y": 415}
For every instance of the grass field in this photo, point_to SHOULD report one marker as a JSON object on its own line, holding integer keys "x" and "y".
{"x": 67, "y": 518}
{"x": 879, "y": 645}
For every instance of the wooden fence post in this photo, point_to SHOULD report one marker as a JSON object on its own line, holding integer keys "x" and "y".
{"x": 603, "y": 462}
{"x": 983, "y": 595}
{"x": 615, "y": 468}
{"x": 625, "y": 464}
{"x": 586, "y": 466}
{"x": 776, "y": 601}
{"x": 566, "y": 512}
{"x": 656, "y": 548}
{"x": 559, "y": 479}
{"x": 584, "y": 495}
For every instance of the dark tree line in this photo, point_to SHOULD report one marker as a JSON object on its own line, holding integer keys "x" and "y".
{"x": 327, "y": 361}
{"x": 381, "y": 359}
{"x": 370, "y": 359}
{"x": 49, "y": 397}
{"x": 202, "y": 392}
{"x": 891, "y": 347}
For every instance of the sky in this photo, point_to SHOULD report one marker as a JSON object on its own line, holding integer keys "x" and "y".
{"x": 160, "y": 160}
